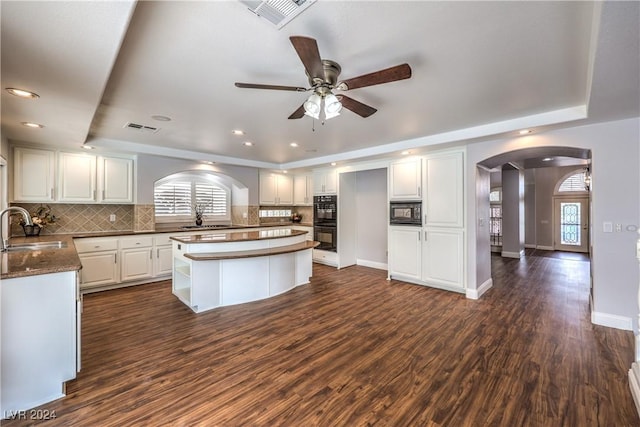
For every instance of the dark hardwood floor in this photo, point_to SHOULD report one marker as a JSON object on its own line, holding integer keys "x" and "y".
{"x": 352, "y": 349}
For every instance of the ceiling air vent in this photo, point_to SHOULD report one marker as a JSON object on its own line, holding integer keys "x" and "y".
{"x": 141, "y": 128}
{"x": 278, "y": 12}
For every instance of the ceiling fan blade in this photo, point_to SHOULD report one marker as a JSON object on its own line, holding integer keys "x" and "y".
{"x": 357, "y": 107}
{"x": 298, "y": 114}
{"x": 392, "y": 74}
{"x": 307, "y": 49}
{"x": 272, "y": 87}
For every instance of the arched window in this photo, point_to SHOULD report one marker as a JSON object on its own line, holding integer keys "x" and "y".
{"x": 573, "y": 182}
{"x": 176, "y": 196}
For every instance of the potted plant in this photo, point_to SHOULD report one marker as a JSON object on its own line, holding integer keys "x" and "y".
{"x": 40, "y": 218}
{"x": 199, "y": 209}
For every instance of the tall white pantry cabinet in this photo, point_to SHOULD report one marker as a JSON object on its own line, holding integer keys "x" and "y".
{"x": 432, "y": 254}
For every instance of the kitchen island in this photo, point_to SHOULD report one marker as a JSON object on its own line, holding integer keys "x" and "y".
{"x": 225, "y": 268}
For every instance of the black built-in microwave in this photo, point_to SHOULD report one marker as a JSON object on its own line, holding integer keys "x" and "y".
{"x": 405, "y": 213}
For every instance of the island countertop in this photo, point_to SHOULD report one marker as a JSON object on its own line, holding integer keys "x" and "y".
{"x": 237, "y": 236}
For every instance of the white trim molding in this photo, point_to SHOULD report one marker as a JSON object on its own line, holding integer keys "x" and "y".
{"x": 477, "y": 293}
{"x": 634, "y": 384}
{"x": 545, "y": 248}
{"x": 611, "y": 321}
{"x": 516, "y": 255}
{"x": 372, "y": 264}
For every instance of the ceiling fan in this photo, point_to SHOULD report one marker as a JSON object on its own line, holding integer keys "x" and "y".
{"x": 323, "y": 79}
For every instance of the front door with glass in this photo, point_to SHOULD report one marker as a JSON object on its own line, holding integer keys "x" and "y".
{"x": 571, "y": 224}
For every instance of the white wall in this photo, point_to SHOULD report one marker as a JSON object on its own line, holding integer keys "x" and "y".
{"x": 371, "y": 208}
{"x": 483, "y": 244}
{"x": 512, "y": 212}
{"x": 151, "y": 168}
{"x": 615, "y": 197}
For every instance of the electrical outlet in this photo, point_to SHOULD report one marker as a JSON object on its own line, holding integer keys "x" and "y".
{"x": 112, "y": 218}
{"x": 618, "y": 228}
{"x": 245, "y": 215}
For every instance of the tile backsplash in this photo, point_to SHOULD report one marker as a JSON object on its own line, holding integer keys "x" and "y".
{"x": 81, "y": 218}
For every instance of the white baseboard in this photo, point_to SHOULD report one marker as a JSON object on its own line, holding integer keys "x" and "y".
{"x": 372, "y": 264}
{"x": 611, "y": 321}
{"x": 477, "y": 293}
{"x": 529, "y": 246}
{"x": 634, "y": 384}
{"x": 516, "y": 255}
{"x": 545, "y": 248}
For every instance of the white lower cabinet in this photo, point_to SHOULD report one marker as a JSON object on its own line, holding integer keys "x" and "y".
{"x": 405, "y": 252}
{"x": 163, "y": 263}
{"x": 429, "y": 256}
{"x": 443, "y": 257}
{"x": 136, "y": 255}
{"x": 99, "y": 259}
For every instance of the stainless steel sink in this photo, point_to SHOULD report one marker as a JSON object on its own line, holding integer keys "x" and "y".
{"x": 36, "y": 246}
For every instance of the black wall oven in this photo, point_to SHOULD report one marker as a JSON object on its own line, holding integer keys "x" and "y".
{"x": 405, "y": 213}
{"x": 327, "y": 236}
{"x": 325, "y": 221}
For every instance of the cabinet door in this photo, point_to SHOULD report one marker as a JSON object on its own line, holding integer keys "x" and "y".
{"x": 33, "y": 176}
{"x": 405, "y": 180}
{"x": 136, "y": 264}
{"x": 443, "y": 258}
{"x": 284, "y": 189}
{"x": 331, "y": 182}
{"x": 300, "y": 190}
{"x": 268, "y": 192}
{"x": 77, "y": 177}
{"x": 444, "y": 180}
{"x": 98, "y": 269}
{"x": 405, "y": 248}
{"x": 163, "y": 261}
{"x": 325, "y": 182}
{"x": 116, "y": 179}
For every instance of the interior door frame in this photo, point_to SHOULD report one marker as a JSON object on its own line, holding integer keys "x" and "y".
{"x": 585, "y": 213}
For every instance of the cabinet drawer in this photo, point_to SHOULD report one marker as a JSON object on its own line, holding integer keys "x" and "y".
{"x": 136, "y": 242}
{"x": 162, "y": 240}
{"x": 95, "y": 245}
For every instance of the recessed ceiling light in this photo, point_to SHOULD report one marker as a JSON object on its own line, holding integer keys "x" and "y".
{"x": 33, "y": 125}
{"x": 333, "y": 163}
{"x": 547, "y": 159}
{"x": 237, "y": 132}
{"x": 248, "y": 144}
{"x": 294, "y": 144}
{"x": 405, "y": 152}
{"x": 208, "y": 162}
{"x": 524, "y": 131}
{"x": 87, "y": 147}
{"x": 284, "y": 171}
{"x": 161, "y": 118}
{"x": 22, "y": 93}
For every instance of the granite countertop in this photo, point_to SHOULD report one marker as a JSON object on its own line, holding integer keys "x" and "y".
{"x": 45, "y": 261}
{"x": 206, "y": 256}
{"x": 236, "y": 236}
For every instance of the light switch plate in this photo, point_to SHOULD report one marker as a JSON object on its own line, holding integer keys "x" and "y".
{"x": 607, "y": 227}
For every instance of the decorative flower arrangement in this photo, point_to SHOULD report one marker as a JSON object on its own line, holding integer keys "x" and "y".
{"x": 41, "y": 216}
{"x": 296, "y": 217}
{"x": 199, "y": 209}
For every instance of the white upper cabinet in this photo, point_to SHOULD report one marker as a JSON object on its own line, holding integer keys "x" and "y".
{"x": 302, "y": 190}
{"x": 34, "y": 175}
{"x": 276, "y": 189}
{"x": 405, "y": 180}
{"x": 444, "y": 184}
{"x": 115, "y": 177}
{"x": 325, "y": 181}
{"x": 77, "y": 177}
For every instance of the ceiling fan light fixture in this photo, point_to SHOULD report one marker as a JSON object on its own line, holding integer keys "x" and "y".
{"x": 332, "y": 105}
{"x": 312, "y": 106}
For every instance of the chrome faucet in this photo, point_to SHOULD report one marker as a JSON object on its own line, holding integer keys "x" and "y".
{"x": 4, "y": 243}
